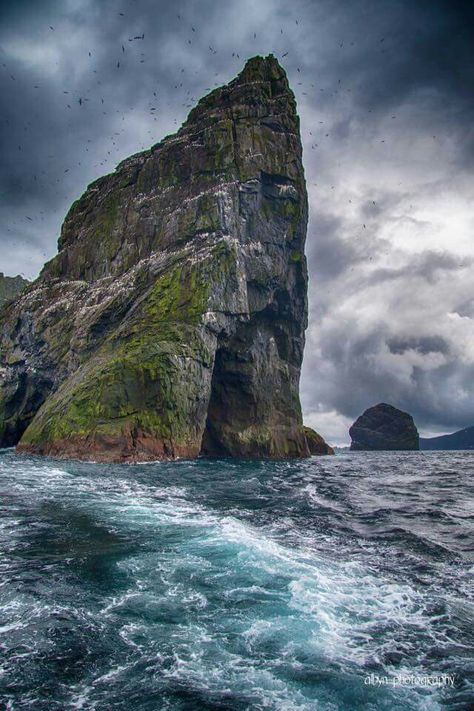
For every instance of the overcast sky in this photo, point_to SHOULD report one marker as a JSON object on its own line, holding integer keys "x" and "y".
{"x": 385, "y": 95}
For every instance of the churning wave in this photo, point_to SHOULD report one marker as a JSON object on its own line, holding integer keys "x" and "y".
{"x": 310, "y": 585}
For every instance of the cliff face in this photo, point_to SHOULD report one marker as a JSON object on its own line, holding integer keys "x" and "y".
{"x": 384, "y": 427}
{"x": 10, "y": 287}
{"x": 171, "y": 322}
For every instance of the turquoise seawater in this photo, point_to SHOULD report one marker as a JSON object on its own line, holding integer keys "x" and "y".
{"x": 237, "y": 585}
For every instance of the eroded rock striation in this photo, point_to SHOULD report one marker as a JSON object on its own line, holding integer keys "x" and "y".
{"x": 384, "y": 427}
{"x": 171, "y": 322}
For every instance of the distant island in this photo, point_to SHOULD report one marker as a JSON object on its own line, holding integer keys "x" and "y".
{"x": 462, "y": 439}
{"x": 384, "y": 428}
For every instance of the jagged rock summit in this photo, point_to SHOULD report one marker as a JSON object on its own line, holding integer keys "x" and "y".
{"x": 171, "y": 322}
{"x": 384, "y": 427}
{"x": 10, "y": 287}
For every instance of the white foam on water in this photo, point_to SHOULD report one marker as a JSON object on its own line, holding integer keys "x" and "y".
{"x": 12, "y": 626}
{"x": 116, "y": 671}
{"x": 242, "y": 602}
{"x": 343, "y": 609}
{"x": 81, "y": 698}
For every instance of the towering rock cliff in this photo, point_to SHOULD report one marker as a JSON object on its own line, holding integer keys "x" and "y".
{"x": 171, "y": 322}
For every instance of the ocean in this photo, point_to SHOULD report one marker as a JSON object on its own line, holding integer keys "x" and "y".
{"x": 330, "y": 584}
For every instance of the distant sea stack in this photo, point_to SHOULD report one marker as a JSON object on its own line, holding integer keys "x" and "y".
{"x": 463, "y": 439}
{"x": 384, "y": 427}
{"x": 316, "y": 443}
{"x": 171, "y": 322}
{"x": 10, "y": 287}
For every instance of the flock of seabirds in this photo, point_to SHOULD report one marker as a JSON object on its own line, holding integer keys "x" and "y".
{"x": 131, "y": 51}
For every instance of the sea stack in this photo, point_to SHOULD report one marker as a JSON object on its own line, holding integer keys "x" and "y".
{"x": 384, "y": 427}
{"x": 171, "y": 322}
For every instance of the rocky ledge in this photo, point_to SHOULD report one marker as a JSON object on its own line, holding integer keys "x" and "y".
{"x": 171, "y": 322}
{"x": 316, "y": 443}
{"x": 383, "y": 427}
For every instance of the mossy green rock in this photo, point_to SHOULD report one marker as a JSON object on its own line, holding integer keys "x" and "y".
{"x": 171, "y": 322}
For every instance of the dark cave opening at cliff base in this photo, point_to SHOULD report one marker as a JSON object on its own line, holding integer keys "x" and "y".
{"x": 232, "y": 403}
{"x": 252, "y": 410}
{"x": 22, "y": 404}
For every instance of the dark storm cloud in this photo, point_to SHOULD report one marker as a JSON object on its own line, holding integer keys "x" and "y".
{"x": 422, "y": 45}
{"x": 426, "y": 266}
{"x": 384, "y": 91}
{"x": 429, "y": 344}
{"x": 374, "y": 369}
